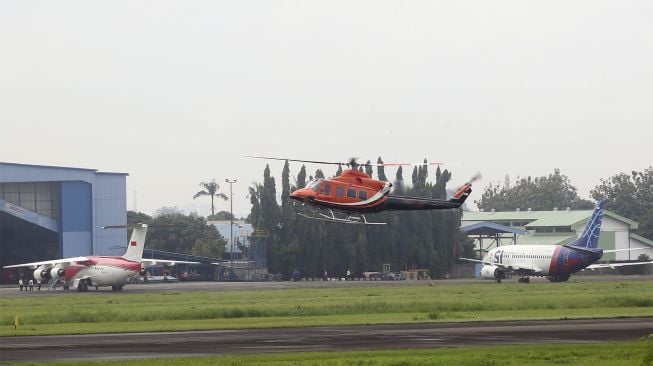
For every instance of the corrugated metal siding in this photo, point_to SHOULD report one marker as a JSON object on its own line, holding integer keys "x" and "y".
{"x": 76, "y": 219}
{"x": 110, "y": 209}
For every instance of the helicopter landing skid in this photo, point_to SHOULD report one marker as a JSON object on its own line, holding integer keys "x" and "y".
{"x": 331, "y": 217}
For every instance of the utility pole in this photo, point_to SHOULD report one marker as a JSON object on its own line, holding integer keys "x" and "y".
{"x": 231, "y": 227}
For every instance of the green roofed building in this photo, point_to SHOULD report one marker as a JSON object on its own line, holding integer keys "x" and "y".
{"x": 560, "y": 227}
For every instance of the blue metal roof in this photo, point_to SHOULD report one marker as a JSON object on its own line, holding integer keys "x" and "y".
{"x": 490, "y": 228}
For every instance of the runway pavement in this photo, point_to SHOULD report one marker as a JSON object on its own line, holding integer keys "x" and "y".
{"x": 147, "y": 345}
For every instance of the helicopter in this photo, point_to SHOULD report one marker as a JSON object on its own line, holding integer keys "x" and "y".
{"x": 354, "y": 194}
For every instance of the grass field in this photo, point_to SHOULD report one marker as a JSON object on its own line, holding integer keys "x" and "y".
{"x": 595, "y": 354}
{"x": 168, "y": 311}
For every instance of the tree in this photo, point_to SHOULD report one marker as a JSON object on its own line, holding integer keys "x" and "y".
{"x": 380, "y": 170}
{"x": 180, "y": 233}
{"x": 630, "y": 195}
{"x": 541, "y": 193}
{"x": 211, "y": 189}
{"x": 285, "y": 185}
{"x": 221, "y": 216}
{"x": 399, "y": 181}
{"x": 301, "y": 177}
{"x": 368, "y": 168}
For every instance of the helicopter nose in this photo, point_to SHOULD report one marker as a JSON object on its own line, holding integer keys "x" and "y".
{"x": 303, "y": 195}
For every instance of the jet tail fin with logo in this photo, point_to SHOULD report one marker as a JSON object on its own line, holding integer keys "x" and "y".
{"x": 589, "y": 239}
{"x": 136, "y": 243}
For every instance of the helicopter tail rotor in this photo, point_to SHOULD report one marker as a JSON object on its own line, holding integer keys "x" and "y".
{"x": 475, "y": 178}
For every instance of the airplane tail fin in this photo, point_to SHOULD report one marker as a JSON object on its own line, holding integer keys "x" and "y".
{"x": 136, "y": 243}
{"x": 590, "y": 237}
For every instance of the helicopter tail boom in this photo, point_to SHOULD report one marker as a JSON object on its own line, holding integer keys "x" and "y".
{"x": 462, "y": 194}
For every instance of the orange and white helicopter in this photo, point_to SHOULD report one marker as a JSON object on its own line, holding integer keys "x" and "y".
{"x": 355, "y": 194}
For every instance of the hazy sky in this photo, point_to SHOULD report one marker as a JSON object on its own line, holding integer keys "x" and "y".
{"x": 176, "y": 92}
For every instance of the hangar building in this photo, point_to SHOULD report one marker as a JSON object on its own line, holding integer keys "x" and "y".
{"x": 49, "y": 212}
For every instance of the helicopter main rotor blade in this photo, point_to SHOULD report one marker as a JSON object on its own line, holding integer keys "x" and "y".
{"x": 412, "y": 164}
{"x": 352, "y": 162}
{"x": 298, "y": 160}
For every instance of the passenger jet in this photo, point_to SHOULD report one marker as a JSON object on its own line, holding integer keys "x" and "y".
{"x": 99, "y": 271}
{"x": 555, "y": 262}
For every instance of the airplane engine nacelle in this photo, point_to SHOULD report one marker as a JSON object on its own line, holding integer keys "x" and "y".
{"x": 41, "y": 274}
{"x": 57, "y": 273}
{"x": 491, "y": 272}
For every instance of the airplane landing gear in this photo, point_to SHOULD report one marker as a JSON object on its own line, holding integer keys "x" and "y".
{"x": 524, "y": 280}
{"x": 116, "y": 288}
{"x": 83, "y": 286}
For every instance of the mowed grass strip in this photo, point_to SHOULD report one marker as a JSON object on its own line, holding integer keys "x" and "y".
{"x": 119, "y": 312}
{"x": 593, "y": 354}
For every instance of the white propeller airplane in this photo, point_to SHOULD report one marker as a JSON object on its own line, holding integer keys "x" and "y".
{"x": 99, "y": 271}
{"x": 555, "y": 262}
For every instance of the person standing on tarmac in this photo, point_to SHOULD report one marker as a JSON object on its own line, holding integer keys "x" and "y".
{"x": 21, "y": 284}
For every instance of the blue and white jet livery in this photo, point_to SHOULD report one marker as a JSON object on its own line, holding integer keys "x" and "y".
{"x": 555, "y": 262}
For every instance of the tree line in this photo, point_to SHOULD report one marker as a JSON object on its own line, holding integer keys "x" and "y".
{"x": 629, "y": 195}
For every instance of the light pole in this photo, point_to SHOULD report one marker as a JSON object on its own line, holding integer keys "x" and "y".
{"x": 231, "y": 227}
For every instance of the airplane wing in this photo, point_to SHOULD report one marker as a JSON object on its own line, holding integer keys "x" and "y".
{"x": 622, "y": 250}
{"x": 65, "y": 262}
{"x": 163, "y": 262}
{"x": 476, "y": 261}
{"x": 615, "y": 265}
{"x": 509, "y": 269}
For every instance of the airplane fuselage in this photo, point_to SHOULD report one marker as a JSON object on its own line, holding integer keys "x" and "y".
{"x": 555, "y": 261}
{"x": 101, "y": 271}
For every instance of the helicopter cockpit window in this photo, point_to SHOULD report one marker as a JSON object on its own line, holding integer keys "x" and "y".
{"x": 326, "y": 189}
{"x": 314, "y": 185}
